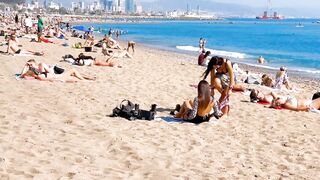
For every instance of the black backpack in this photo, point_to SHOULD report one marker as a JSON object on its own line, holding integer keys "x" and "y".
{"x": 131, "y": 111}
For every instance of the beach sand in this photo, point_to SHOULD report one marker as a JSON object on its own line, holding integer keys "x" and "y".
{"x": 54, "y": 130}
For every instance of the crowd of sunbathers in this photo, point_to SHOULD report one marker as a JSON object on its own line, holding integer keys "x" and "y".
{"x": 221, "y": 71}
{"x": 35, "y": 29}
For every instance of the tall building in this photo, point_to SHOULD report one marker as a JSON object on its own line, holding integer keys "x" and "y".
{"x": 130, "y": 6}
{"x": 119, "y": 6}
{"x": 45, "y": 3}
{"x": 82, "y": 6}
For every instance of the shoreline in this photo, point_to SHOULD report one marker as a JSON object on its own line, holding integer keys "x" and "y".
{"x": 296, "y": 75}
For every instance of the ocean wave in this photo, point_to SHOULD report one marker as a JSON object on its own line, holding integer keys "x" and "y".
{"x": 311, "y": 71}
{"x": 214, "y": 52}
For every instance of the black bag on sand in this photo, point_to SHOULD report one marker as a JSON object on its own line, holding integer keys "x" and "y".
{"x": 316, "y": 95}
{"x": 125, "y": 110}
{"x": 131, "y": 111}
{"x": 147, "y": 115}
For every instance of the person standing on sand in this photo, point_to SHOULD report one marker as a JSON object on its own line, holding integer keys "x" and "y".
{"x": 16, "y": 19}
{"x": 40, "y": 27}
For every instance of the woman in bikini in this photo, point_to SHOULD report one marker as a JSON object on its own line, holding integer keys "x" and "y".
{"x": 43, "y": 72}
{"x": 222, "y": 75}
{"x": 200, "y": 109}
{"x": 13, "y": 46}
{"x": 112, "y": 54}
{"x": 258, "y": 96}
{"x": 83, "y": 60}
{"x": 294, "y": 104}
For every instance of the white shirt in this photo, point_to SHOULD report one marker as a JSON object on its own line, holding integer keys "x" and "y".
{"x": 28, "y": 22}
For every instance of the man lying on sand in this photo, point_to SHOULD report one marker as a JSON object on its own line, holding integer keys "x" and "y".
{"x": 43, "y": 72}
{"x": 13, "y": 47}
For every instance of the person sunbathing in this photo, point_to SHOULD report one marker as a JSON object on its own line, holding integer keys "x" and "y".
{"x": 199, "y": 110}
{"x": 83, "y": 60}
{"x": 13, "y": 46}
{"x": 43, "y": 72}
{"x": 112, "y": 54}
{"x": 294, "y": 104}
{"x": 111, "y": 43}
{"x": 257, "y": 96}
{"x": 267, "y": 81}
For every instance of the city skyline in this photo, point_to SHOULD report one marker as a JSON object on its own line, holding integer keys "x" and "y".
{"x": 292, "y": 8}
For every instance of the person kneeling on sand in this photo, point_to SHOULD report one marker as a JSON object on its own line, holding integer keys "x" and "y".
{"x": 294, "y": 104}
{"x": 43, "y": 72}
{"x": 83, "y": 60}
{"x": 199, "y": 110}
{"x": 13, "y": 46}
{"x": 222, "y": 75}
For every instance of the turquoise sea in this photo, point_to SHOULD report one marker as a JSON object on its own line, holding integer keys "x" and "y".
{"x": 294, "y": 43}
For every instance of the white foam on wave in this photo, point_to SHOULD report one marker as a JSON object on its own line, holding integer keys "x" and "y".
{"x": 214, "y": 52}
{"x": 291, "y": 69}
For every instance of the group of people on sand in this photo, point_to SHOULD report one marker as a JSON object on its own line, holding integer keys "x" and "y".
{"x": 110, "y": 49}
{"x": 205, "y": 106}
{"x": 223, "y": 81}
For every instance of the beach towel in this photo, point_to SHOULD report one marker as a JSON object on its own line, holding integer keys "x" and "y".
{"x": 17, "y": 76}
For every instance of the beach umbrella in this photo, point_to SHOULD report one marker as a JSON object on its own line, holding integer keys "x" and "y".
{"x": 80, "y": 28}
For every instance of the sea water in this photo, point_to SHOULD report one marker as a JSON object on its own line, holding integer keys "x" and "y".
{"x": 280, "y": 42}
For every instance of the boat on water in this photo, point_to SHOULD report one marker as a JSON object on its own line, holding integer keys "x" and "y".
{"x": 266, "y": 16}
{"x": 299, "y": 25}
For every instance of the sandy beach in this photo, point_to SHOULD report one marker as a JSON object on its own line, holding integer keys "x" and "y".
{"x": 54, "y": 130}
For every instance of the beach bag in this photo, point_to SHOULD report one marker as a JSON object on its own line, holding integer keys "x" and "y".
{"x": 316, "y": 95}
{"x": 131, "y": 111}
{"x": 58, "y": 70}
{"x": 125, "y": 110}
{"x": 87, "y": 49}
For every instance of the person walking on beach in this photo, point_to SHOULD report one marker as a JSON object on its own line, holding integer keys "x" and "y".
{"x": 40, "y": 27}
